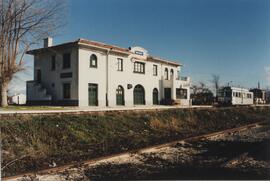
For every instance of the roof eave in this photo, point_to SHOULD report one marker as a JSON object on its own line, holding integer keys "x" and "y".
{"x": 104, "y": 48}
{"x": 60, "y": 46}
{"x": 166, "y": 61}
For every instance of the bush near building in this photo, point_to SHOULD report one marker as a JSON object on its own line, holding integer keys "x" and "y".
{"x": 202, "y": 98}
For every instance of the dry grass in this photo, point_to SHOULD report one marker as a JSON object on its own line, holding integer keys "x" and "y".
{"x": 65, "y": 138}
{"x": 171, "y": 124}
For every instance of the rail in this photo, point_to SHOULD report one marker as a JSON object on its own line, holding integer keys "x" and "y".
{"x": 95, "y": 160}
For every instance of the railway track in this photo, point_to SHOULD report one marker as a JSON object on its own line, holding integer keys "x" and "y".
{"x": 103, "y": 158}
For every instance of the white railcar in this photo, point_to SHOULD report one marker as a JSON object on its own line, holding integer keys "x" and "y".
{"x": 235, "y": 96}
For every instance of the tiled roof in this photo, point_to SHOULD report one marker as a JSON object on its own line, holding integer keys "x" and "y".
{"x": 100, "y": 45}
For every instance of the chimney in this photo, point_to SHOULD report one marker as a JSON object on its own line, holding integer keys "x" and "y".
{"x": 259, "y": 85}
{"x": 48, "y": 42}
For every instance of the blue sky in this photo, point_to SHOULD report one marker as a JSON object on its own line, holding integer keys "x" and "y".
{"x": 230, "y": 38}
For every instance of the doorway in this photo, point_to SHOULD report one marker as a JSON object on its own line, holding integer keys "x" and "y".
{"x": 168, "y": 93}
{"x": 93, "y": 94}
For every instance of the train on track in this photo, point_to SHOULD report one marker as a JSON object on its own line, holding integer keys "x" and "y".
{"x": 234, "y": 96}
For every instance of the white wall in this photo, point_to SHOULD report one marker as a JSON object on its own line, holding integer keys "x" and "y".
{"x": 243, "y": 100}
{"x": 91, "y": 75}
{"x": 50, "y": 77}
{"x": 123, "y": 78}
{"x": 18, "y": 99}
{"x": 83, "y": 74}
{"x": 127, "y": 76}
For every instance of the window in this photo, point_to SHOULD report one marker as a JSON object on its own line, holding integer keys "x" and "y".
{"x": 120, "y": 95}
{"x": 93, "y": 61}
{"x": 155, "y": 96}
{"x": 227, "y": 93}
{"x": 38, "y": 76}
{"x": 66, "y": 90}
{"x": 166, "y": 74}
{"x": 53, "y": 63}
{"x": 120, "y": 64}
{"x": 171, "y": 73}
{"x": 155, "y": 70}
{"x": 66, "y": 60}
{"x": 181, "y": 93}
{"x": 139, "y": 67}
{"x": 178, "y": 75}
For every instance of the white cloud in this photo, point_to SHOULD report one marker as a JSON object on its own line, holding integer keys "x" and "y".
{"x": 267, "y": 72}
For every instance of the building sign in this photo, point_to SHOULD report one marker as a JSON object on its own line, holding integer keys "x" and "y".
{"x": 139, "y": 53}
{"x": 66, "y": 75}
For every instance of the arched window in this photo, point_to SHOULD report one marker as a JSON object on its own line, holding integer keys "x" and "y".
{"x": 171, "y": 74}
{"x": 166, "y": 74}
{"x": 120, "y": 96}
{"x": 155, "y": 96}
{"x": 138, "y": 95}
{"x": 93, "y": 61}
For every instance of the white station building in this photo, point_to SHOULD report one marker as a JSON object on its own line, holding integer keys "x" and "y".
{"x": 89, "y": 73}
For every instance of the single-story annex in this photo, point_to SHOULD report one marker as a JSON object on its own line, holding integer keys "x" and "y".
{"x": 89, "y": 73}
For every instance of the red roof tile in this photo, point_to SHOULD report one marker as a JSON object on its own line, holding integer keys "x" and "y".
{"x": 101, "y": 45}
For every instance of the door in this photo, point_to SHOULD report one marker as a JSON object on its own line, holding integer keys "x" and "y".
{"x": 168, "y": 93}
{"x": 138, "y": 95}
{"x": 155, "y": 96}
{"x": 120, "y": 96}
{"x": 38, "y": 75}
{"x": 93, "y": 94}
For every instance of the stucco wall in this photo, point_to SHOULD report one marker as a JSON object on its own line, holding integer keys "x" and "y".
{"x": 123, "y": 78}
{"x": 91, "y": 75}
{"x": 50, "y": 77}
{"x": 127, "y": 76}
{"x": 107, "y": 80}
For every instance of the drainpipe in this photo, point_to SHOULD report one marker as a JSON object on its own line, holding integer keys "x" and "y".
{"x": 107, "y": 75}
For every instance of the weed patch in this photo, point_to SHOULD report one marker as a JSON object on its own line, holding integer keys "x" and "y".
{"x": 36, "y": 141}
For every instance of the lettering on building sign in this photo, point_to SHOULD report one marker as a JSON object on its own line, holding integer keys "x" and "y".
{"x": 139, "y": 53}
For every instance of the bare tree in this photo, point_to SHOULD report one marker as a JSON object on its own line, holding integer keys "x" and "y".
{"x": 216, "y": 82}
{"x": 202, "y": 87}
{"x": 194, "y": 89}
{"x": 199, "y": 88}
{"x": 23, "y": 24}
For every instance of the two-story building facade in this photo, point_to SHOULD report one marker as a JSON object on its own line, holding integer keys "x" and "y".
{"x": 88, "y": 73}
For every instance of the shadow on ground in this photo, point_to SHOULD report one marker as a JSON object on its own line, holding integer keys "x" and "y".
{"x": 212, "y": 160}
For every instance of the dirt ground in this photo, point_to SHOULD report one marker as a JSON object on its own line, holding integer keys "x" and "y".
{"x": 238, "y": 155}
